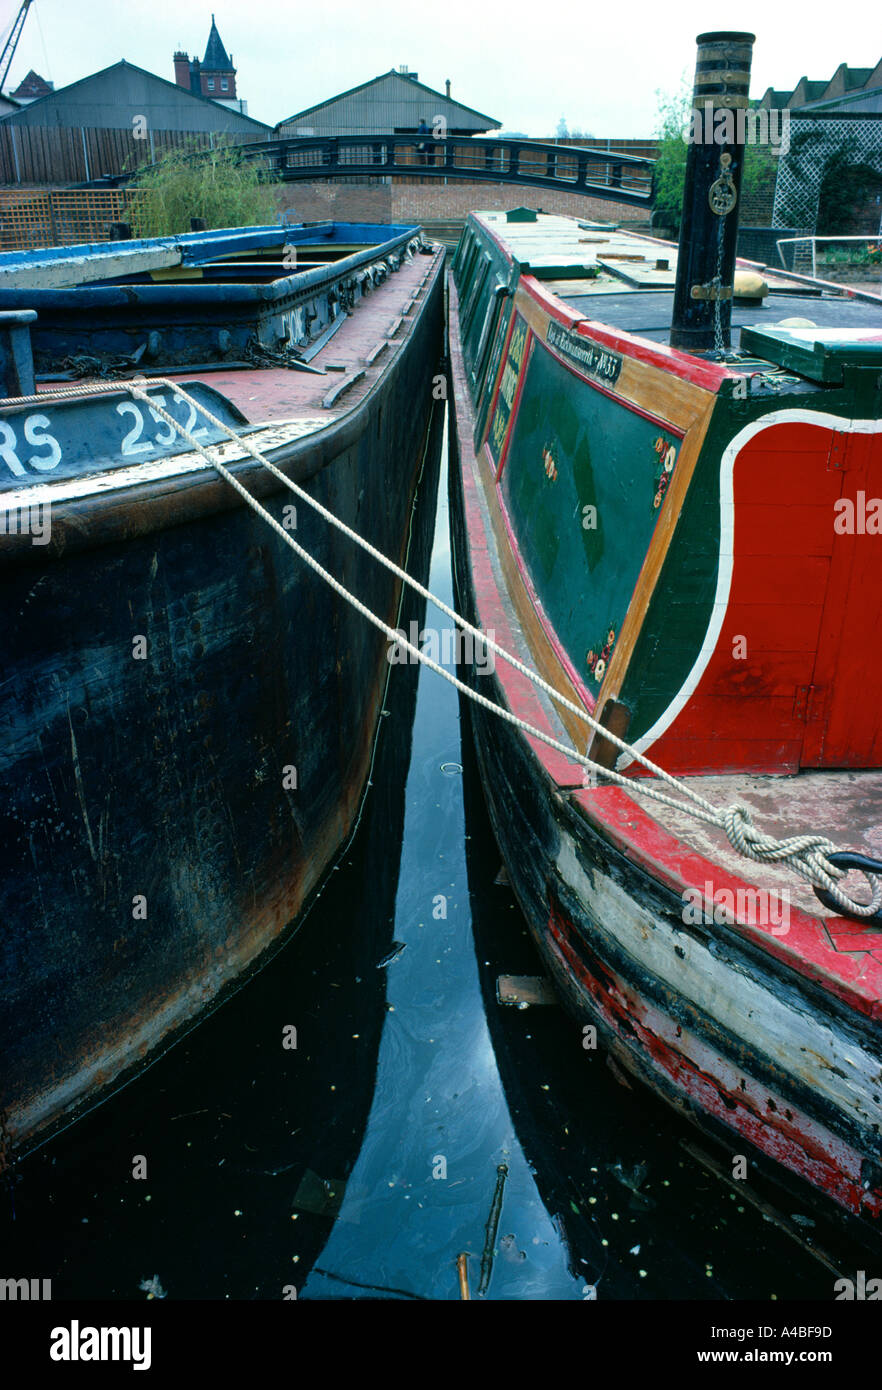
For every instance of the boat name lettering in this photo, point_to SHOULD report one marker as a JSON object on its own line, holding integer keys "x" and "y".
{"x": 591, "y": 359}
{"x": 34, "y": 431}
{"x": 516, "y": 346}
{"x": 508, "y": 385}
{"x": 134, "y": 444}
{"x": 71, "y": 429}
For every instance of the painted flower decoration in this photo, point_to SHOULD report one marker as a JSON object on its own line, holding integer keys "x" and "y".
{"x": 667, "y": 457}
{"x": 549, "y": 464}
{"x": 597, "y": 662}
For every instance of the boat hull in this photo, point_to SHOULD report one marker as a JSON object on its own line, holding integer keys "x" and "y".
{"x": 717, "y": 1026}
{"x": 185, "y": 738}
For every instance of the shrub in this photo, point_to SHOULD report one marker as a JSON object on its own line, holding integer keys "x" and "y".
{"x": 217, "y": 185}
{"x": 674, "y": 112}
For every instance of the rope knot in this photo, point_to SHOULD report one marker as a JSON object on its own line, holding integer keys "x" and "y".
{"x": 806, "y": 855}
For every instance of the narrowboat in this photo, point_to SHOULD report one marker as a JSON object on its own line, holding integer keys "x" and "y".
{"x": 188, "y": 710}
{"x": 667, "y": 501}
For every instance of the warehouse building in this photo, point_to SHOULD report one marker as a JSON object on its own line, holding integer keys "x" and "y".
{"x": 113, "y": 98}
{"x": 395, "y": 101}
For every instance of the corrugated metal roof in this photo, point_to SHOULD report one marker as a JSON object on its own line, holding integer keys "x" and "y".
{"x": 389, "y": 102}
{"x": 108, "y": 99}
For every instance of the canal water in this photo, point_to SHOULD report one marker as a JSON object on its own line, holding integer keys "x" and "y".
{"x": 363, "y": 1120}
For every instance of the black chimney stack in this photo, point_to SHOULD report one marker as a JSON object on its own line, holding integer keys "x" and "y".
{"x": 714, "y": 166}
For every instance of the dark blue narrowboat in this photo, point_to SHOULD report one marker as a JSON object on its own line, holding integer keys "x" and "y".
{"x": 187, "y": 710}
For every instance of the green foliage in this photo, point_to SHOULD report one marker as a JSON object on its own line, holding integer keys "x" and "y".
{"x": 856, "y": 254}
{"x": 670, "y": 168}
{"x": 218, "y": 185}
{"x": 674, "y": 113}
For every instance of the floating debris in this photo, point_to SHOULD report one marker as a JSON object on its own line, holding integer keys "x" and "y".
{"x": 322, "y": 1196}
{"x": 491, "y": 1228}
{"x": 152, "y": 1287}
{"x": 633, "y": 1179}
{"x": 524, "y": 990}
{"x": 451, "y": 769}
{"x": 397, "y": 948}
{"x": 462, "y": 1269}
{"x": 508, "y": 1249}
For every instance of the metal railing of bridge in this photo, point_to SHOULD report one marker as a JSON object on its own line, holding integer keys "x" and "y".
{"x": 598, "y": 173}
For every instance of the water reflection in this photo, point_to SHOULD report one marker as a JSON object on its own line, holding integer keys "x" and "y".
{"x": 364, "y": 1162}
{"x": 423, "y": 1187}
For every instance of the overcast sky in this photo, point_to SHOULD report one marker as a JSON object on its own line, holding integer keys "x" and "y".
{"x": 598, "y": 64}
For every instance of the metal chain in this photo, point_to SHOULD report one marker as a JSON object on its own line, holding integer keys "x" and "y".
{"x": 719, "y": 344}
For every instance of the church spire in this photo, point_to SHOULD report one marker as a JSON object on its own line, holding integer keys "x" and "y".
{"x": 216, "y": 58}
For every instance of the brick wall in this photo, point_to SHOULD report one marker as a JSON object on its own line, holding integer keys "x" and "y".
{"x": 757, "y": 205}
{"x": 412, "y": 202}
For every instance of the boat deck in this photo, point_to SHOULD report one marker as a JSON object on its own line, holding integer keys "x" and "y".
{"x": 349, "y": 362}
{"x": 627, "y": 281}
{"x": 844, "y": 806}
{"x": 648, "y": 312}
{"x": 346, "y": 366}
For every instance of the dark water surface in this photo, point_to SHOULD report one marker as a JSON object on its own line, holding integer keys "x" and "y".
{"x": 363, "y": 1162}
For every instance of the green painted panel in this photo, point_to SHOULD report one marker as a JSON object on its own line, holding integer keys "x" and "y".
{"x": 514, "y": 362}
{"x": 479, "y": 327}
{"x": 584, "y": 482}
{"x": 486, "y": 378}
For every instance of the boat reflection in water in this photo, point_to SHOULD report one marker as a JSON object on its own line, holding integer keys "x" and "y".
{"x": 440, "y": 1174}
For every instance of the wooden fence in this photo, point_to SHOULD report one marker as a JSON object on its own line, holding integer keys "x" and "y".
{"x": 59, "y": 155}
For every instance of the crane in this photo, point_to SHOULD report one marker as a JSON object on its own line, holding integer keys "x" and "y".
{"x": 11, "y": 44}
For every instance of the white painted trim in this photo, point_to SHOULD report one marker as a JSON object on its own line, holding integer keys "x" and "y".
{"x": 807, "y": 1045}
{"x": 823, "y": 420}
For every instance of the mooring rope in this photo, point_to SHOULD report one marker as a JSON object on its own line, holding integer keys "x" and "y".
{"x": 805, "y": 855}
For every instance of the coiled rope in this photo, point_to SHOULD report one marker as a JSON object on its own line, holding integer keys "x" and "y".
{"x": 805, "y": 855}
